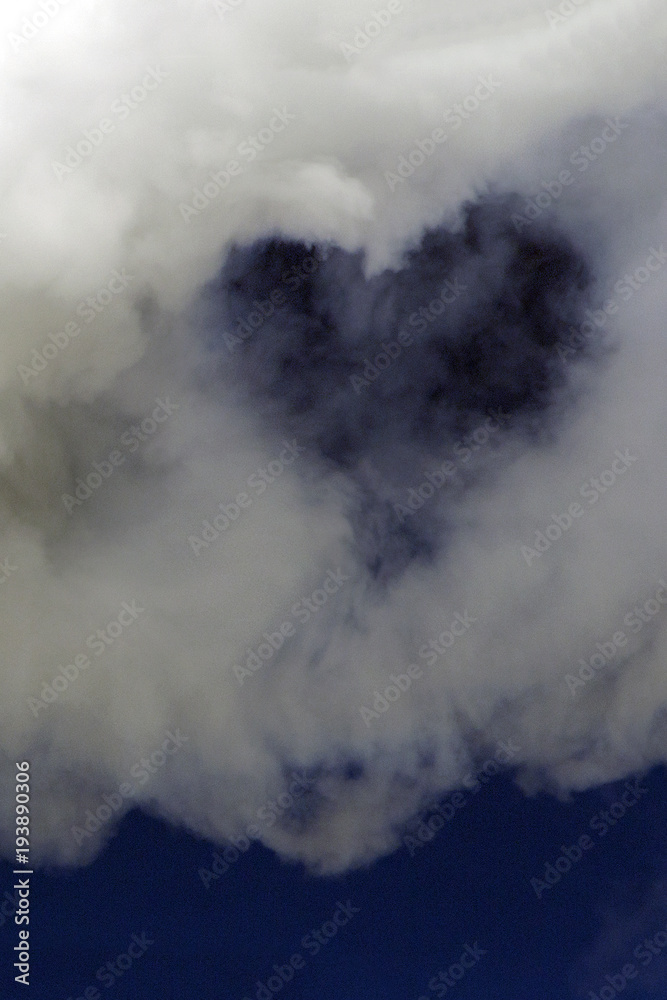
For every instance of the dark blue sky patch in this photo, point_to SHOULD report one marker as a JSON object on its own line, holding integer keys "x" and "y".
{"x": 469, "y": 885}
{"x": 385, "y": 378}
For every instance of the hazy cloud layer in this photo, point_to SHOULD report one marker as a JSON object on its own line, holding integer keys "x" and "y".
{"x": 322, "y": 344}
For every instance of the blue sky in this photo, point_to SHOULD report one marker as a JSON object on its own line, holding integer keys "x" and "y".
{"x": 417, "y": 911}
{"x": 332, "y": 427}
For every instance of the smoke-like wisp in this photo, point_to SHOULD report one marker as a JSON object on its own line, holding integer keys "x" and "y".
{"x": 331, "y": 411}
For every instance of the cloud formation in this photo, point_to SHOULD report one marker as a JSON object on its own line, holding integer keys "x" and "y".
{"x": 391, "y": 318}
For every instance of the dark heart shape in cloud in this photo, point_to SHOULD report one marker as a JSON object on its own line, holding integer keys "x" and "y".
{"x": 383, "y": 378}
